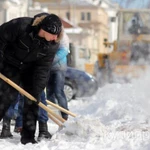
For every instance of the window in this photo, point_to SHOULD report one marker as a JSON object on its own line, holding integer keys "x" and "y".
{"x": 85, "y": 16}
{"x": 113, "y": 19}
{"x": 82, "y": 16}
{"x": 88, "y": 16}
{"x": 68, "y": 15}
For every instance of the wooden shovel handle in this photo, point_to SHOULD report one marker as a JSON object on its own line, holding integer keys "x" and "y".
{"x": 61, "y": 109}
{"x": 51, "y": 112}
{"x": 22, "y": 91}
{"x": 55, "y": 120}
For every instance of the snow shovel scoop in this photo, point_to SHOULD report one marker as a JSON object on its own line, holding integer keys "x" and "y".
{"x": 54, "y": 117}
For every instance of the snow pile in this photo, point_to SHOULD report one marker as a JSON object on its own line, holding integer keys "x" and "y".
{"x": 115, "y": 118}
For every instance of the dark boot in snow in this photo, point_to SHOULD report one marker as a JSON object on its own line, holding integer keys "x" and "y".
{"x": 43, "y": 132}
{"x": 28, "y": 140}
{"x": 18, "y": 129}
{"x": 27, "y": 137}
{"x": 6, "y": 129}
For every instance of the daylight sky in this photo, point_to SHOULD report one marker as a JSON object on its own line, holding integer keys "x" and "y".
{"x": 117, "y": 117}
{"x": 133, "y": 3}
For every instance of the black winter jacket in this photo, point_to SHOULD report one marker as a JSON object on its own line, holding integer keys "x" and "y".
{"x": 22, "y": 48}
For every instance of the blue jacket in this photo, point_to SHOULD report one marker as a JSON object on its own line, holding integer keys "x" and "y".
{"x": 60, "y": 59}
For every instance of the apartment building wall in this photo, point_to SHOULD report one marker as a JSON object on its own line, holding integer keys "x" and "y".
{"x": 35, "y": 9}
{"x": 94, "y": 30}
{"x": 10, "y": 10}
{"x": 112, "y": 11}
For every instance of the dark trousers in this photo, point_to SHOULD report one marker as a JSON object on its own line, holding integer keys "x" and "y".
{"x": 16, "y": 110}
{"x": 8, "y": 96}
{"x": 19, "y": 119}
{"x": 42, "y": 114}
{"x": 55, "y": 89}
{"x": 13, "y": 111}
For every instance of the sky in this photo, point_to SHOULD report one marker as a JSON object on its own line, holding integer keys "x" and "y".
{"x": 133, "y": 3}
{"x": 117, "y": 117}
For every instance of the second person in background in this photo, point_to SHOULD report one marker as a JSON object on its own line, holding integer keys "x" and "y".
{"x": 55, "y": 86}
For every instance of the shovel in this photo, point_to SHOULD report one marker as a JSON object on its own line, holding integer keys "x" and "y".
{"x": 54, "y": 117}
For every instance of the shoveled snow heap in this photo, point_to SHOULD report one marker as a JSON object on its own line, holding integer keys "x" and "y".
{"x": 115, "y": 118}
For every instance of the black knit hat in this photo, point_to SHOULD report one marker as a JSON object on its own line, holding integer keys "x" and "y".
{"x": 52, "y": 24}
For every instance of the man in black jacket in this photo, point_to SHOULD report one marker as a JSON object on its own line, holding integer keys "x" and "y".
{"x": 27, "y": 48}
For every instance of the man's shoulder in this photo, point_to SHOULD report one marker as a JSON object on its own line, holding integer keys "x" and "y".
{"x": 21, "y": 19}
{"x": 24, "y": 23}
{"x": 25, "y": 20}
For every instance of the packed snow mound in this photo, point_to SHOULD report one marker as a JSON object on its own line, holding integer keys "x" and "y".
{"x": 118, "y": 102}
{"x": 84, "y": 127}
{"x": 115, "y": 118}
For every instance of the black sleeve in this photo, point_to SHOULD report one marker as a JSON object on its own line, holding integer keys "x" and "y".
{"x": 41, "y": 72}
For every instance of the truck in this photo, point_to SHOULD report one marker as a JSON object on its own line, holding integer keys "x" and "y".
{"x": 130, "y": 56}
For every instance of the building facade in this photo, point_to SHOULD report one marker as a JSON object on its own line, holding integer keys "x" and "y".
{"x": 91, "y": 23}
{"x": 11, "y": 9}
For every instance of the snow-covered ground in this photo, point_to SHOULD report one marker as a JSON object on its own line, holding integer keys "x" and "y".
{"x": 117, "y": 117}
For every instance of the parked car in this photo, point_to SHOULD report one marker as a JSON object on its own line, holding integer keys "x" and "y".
{"x": 79, "y": 84}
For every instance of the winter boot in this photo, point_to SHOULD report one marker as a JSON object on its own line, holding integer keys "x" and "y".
{"x": 27, "y": 137}
{"x": 43, "y": 131}
{"x": 28, "y": 140}
{"x": 18, "y": 129}
{"x": 6, "y": 128}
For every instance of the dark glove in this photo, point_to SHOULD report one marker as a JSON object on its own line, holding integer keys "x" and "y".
{"x": 37, "y": 97}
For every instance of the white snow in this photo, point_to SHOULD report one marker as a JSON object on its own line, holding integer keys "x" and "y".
{"x": 117, "y": 117}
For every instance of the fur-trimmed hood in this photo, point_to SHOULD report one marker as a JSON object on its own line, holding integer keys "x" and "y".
{"x": 37, "y": 20}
